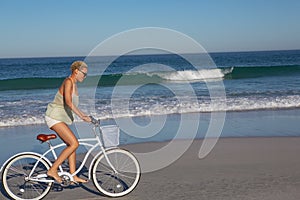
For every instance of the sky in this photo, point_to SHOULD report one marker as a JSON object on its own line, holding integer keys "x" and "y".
{"x": 46, "y": 28}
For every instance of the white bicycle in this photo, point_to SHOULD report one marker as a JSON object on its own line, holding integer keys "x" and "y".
{"x": 114, "y": 171}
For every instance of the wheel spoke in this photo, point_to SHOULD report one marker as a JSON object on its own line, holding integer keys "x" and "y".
{"x": 126, "y": 176}
{"x": 120, "y": 183}
{"x": 14, "y": 173}
{"x": 17, "y": 171}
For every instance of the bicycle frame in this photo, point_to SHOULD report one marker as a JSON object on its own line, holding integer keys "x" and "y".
{"x": 82, "y": 142}
{"x": 25, "y": 174}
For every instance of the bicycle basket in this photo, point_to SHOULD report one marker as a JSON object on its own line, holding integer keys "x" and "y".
{"x": 110, "y": 135}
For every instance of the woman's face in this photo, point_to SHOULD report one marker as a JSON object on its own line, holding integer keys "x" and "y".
{"x": 82, "y": 73}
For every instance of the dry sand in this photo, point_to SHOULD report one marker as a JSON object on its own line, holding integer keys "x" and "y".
{"x": 237, "y": 168}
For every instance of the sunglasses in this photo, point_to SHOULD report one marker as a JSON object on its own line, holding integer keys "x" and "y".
{"x": 84, "y": 74}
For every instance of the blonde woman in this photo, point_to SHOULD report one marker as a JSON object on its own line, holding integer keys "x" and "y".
{"x": 59, "y": 116}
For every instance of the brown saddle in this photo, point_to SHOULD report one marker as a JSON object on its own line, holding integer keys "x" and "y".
{"x": 45, "y": 137}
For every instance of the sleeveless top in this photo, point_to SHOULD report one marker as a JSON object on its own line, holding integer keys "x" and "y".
{"x": 58, "y": 110}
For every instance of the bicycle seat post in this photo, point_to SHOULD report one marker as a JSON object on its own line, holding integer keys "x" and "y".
{"x": 49, "y": 144}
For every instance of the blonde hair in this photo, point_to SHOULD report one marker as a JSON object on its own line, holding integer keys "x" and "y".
{"x": 78, "y": 65}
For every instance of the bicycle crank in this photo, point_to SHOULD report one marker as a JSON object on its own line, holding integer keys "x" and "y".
{"x": 66, "y": 179}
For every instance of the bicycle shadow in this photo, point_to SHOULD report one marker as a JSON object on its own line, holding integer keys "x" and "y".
{"x": 58, "y": 188}
{"x": 3, "y": 193}
{"x": 83, "y": 174}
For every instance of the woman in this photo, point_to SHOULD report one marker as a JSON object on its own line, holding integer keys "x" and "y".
{"x": 59, "y": 115}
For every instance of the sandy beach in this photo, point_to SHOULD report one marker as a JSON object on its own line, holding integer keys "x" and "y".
{"x": 255, "y": 158}
{"x": 237, "y": 168}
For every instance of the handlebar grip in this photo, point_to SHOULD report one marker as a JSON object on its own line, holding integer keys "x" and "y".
{"x": 94, "y": 121}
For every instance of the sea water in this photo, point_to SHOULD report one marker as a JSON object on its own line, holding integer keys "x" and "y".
{"x": 266, "y": 80}
{"x": 261, "y": 89}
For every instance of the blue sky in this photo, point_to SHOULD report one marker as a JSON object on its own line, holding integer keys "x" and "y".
{"x": 33, "y": 28}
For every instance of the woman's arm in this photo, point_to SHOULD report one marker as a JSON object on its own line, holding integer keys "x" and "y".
{"x": 67, "y": 93}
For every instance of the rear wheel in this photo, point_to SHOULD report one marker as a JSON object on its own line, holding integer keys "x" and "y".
{"x": 16, "y": 181}
{"x": 121, "y": 182}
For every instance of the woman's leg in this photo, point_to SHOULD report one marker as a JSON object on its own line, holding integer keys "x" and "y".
{"x": 72, "y": 165}
{"x": 65, "y": 133}
{"x": 72, "y": 162}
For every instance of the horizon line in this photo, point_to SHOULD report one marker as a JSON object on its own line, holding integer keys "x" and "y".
{"x": 213, "y": 52}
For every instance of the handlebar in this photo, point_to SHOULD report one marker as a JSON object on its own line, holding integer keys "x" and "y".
{"x": 94, "y": 121}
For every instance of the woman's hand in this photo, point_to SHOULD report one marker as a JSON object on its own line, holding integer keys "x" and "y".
{"x": 86, "y": 118}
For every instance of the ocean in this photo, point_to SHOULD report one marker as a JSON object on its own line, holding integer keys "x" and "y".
{"x": 264, "y": 80}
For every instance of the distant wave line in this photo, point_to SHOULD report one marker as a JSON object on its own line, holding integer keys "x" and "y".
{"x": 139, "y": 78}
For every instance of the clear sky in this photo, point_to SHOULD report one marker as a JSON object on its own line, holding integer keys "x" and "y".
{"x": 34, "y": 28}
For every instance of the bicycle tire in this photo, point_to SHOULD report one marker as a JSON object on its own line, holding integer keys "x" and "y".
{"x": 14, "y": 178}
{"x": 116, "y": 184}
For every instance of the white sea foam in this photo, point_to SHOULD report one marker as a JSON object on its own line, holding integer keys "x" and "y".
{"x": 20, "y": 121}
{"x": 192, "y": 75}
{"x": 159, "y": 106}
{"x": 188, "y": 105}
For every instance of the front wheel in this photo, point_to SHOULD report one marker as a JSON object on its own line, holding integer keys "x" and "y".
{"x": 120, "y": 182}
{"x": 17, "y": 174}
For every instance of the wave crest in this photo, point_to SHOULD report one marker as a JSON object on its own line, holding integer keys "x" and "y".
{"x": 191, "y": 75}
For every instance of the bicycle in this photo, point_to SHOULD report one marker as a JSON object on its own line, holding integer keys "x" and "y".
{"x": 115, "y": 172}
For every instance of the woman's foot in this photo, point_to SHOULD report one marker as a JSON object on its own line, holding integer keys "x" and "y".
{"x": 55, "y": 176}
{"x": 79, "y": 180}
